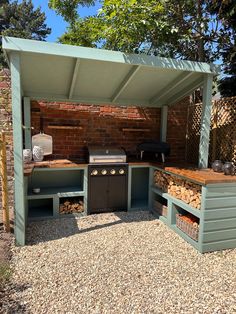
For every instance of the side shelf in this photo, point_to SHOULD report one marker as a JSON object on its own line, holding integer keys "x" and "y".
{"x": 188, "y": 208}
{"x": 138, "y": 188}
{"x": 55, "y": 184}
{"x": 173, "y": 206}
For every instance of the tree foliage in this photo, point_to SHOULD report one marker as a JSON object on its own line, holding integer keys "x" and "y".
{"x": 227, "y": 85}
{"x": 68, "y": 8}
{"x": 186, "y": 29}
{"x": 22, "y": 20}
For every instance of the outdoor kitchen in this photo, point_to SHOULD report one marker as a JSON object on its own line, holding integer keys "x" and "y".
{"x": 117, "y": 145}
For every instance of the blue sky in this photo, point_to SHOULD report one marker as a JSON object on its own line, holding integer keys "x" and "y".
{"x": 55, "y": 22}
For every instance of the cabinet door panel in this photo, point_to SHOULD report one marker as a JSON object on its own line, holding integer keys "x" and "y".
{"x": 117, "y": 195}
{"x": 98, "y": 191}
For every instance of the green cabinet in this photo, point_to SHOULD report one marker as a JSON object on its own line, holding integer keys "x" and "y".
{"x": 55, "y": 185}
{"x": 216, "y": 217}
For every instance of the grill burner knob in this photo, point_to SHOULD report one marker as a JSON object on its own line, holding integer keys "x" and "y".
{"x": 94, "y": 172}
{"x": 121, "y": 171}
{"x": 112, "y": 171}
{"x": 104, "y": 172}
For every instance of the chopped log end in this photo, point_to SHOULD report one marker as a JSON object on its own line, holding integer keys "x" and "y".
{"x": 181, "y": 189}
{"x": 71, "y": 206}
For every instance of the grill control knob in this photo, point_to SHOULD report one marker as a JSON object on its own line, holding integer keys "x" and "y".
{"x": 121, "y": 171}
{"x": 112, "y": 171}
{"x": 94, "y": 172}
{"x": 104, "y": 172}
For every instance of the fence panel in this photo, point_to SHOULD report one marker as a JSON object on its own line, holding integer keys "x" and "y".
{"x": 222, "y": 135}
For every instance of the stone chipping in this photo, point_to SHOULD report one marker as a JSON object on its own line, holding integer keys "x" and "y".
{"x": 117, "y": 263}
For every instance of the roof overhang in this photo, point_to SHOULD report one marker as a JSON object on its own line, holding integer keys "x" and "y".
{"x": 57, "y": 72}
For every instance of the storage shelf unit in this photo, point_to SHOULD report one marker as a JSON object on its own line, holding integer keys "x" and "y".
{"x": 138, "y": 188}
{"x": 196, "y": 212}
{"x": 55, "y": 184}
{"x": 217, "y": 216}
{"x": 40, "y": 208}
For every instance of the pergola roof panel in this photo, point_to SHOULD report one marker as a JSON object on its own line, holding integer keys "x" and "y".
{"x": 98, "y": 79}
{"x": 70, "y": 73}
{"x": 50, "y": 76}
{"x": 147, "y": 82}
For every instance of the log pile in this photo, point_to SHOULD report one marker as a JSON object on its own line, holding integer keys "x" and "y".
{"x": 184, "y": 190}
{"x": 71, "y": 206}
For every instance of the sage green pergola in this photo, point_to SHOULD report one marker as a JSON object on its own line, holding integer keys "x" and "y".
{"x": 56, "y": 72}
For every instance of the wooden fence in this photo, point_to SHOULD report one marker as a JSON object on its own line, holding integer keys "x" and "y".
{"x": 4, "y": 183}
{"x": 222, "y": 135}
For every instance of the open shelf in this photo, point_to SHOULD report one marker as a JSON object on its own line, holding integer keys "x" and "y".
{"x": 185, "y": 236}
{"x": 139, "y": 188}
{"x": 41, "y": 208}
{"x": 60, "y": 191}
{"x": 139, "y": 203}
{"x": 159, "y": 192}
{"x": 196, "y": 212}
{"x": 58, "y": 182}
{"x": 65, "y": 127}
{"x": 135, "y": 130}
{"x": 71, "y": 205}
{"x": 159, "y": 205}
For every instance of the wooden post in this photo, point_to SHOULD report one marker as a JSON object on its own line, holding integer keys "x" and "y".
{"x": 5, "y": 207}
{"x": 205, "y": 122}
{"x": 214, "y": 130}
{"x": 20, "y": 210}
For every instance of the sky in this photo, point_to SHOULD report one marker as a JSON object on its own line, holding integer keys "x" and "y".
{"x": 56, "y": 22}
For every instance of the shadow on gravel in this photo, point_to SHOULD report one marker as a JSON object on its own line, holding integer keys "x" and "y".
{"x": 49, "y": 230}
{"x": 9, "y": 303}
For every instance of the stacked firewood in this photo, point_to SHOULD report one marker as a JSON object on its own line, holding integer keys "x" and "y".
{"x": 184, "y": 190}
{"x": 70, "y": 206}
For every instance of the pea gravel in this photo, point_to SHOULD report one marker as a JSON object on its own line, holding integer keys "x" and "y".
{"x": 117, "y": 263}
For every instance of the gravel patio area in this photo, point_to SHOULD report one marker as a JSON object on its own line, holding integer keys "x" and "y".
{"x": 117, "y": 263}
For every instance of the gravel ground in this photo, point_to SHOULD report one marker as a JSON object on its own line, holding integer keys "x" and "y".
{"x": 117, "y": 263}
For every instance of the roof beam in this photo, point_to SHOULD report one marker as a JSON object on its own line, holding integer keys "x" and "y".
{"x": 125, "y": 82}
{"x": 170, "y": 87}
{"x": 84, "y": 100}
{"x": 74, "y": 77}
{"x": 184, "y": 92}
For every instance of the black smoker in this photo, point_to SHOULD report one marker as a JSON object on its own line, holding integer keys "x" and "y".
{"x": 107, "y": 180}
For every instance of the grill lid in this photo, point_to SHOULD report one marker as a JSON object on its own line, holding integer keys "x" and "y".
{"x": 106, "y": 155}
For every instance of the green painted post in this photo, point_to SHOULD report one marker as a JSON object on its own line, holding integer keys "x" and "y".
{"x": 27, "y": 122}
{"x": 20, "y": 219}
{"x": 205, "y": 122}
{"x": 164, "y": 116}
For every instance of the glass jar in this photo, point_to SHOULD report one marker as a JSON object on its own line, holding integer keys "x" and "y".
{"x": 217, "y": 166}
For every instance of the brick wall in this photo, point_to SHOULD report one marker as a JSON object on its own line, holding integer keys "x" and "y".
{"x": 103, "y": 126}
{"x": 5, "y": 125}
{"x": 176, "y": 131}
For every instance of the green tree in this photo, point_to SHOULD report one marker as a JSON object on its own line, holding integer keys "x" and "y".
{"x": 227, "y": 11}
{"x": 186, "y": 29}
{"x": 68, "y": 8}
{"x": 22, "y": 20}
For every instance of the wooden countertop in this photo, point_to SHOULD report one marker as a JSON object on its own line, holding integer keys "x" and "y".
{"x": 58, "y": 163}
{"x": 200, "y": 176}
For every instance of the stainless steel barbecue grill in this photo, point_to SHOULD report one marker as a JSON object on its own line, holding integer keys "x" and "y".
{"x": 107, "y": 180}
